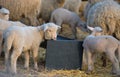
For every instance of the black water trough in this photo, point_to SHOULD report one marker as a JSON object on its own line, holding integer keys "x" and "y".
{"x": 64, "y": 53}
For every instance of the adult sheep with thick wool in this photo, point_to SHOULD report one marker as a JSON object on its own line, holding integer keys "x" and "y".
{"x": 4, "y": 13}
{"x": 89, "y": 4}
{"x": 97, "y": 43}
{"x": 64, "y": 16}
{"x": 23, "y": 9}
{"x": 72, "y": 5}
{"x": 107, "y": 15}
{"x": 23, "y": 39}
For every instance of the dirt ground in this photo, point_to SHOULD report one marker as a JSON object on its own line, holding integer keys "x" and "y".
{"x": 42, "y": 72}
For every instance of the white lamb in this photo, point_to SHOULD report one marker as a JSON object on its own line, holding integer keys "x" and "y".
{"x": 23, "y": 39}
{"x": 101, "y": 43}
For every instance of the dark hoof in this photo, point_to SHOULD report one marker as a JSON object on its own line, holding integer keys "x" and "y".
{"x": 36, "y": 69}
{"x": 26, "y": 68}
{"x": 88, "y": 72}
{"x": 104, "y": 65}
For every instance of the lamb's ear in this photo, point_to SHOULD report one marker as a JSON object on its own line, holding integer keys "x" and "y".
{"x": 43, "y": 27}
{"x": 59, "y": 27}
{"x": 90, "y": 28}
{"x": 4, "y": 11}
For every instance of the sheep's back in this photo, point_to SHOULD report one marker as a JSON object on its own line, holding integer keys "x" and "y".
{"x": 20, "y": 9}
{"x": 5, "y": 24}
{"x": 100, "y": 43}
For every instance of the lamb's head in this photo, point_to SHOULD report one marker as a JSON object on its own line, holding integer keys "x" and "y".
{"x": 83, "y": 26}
{"x": 4, "y": 13}
{"x": 95, "y": 31}
{"x": 50, "y": 31}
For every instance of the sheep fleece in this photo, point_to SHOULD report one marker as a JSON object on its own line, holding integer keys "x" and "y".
{"x": 107, "y": 15}
{"x": 19, "y": 9}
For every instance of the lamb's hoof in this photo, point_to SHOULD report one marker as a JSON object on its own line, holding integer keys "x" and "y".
{"x": 26, "y": 68}
{"x": 118, "y": 74}
{"x": 88, "y": 72}
{"x": 36, "y": 69}
{"x": 13, "y": 74}
{"x": 104, "y": 65}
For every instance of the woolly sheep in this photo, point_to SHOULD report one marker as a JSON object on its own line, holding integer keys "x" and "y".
{"x": 72, "y": 5}
{"x": 63, "y": 16}
{"x": 4, "y": 13}
{"x": 47, "y": 6}
{"x": 89, "y": 5}
{"x": 23, "y": 9}
{"x": 95, "y": 42}
{"x": 23, "y": 39}
{"x": 107, "y": 15}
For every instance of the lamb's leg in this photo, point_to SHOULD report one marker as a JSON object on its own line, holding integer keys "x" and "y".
{"x": 7, "y": 61}
{"x": 84, "y": 61}
{"x": 114, "y": 60}
{"x": 59, "y": 22}
{"x": 16, "y": 53}
{"x": 35, "y": 58}
{"x": 119, "y": 53}
{"x": 1, "y": 39}
{"x": 89, "y": 61}
{"x": 26, "y": 53}
{"x": 74, "y": 31}
{"x": 103, "y": 58}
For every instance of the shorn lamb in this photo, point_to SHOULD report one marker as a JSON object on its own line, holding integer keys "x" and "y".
{"x": 23, "y": 39}
{"x": 95, "y": 43}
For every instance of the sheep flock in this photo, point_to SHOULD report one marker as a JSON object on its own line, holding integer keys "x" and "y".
{"x": 25, "y": 24}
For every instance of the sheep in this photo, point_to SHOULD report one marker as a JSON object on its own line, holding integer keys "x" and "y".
{"x": 47, "y": 6}
{"x": 23, "y": 10}
{"x": 4, "y": 24}
{"x": 107, "y": 15}
{"x": 23, "y": 39}
{"x": 4, "y": 13}
{"x": 63, "y": 16}
{"x": 89, "y": 5}
{"x": 72, "y": 5}
{"x": 95, "y": 42}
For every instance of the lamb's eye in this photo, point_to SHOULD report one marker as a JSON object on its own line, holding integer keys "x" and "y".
{"x": 49, "y": 30}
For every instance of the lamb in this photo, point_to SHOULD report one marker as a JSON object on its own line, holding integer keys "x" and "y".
{"x": 63, "y": 16}
{"x": 23, "y": 10}
{"x": 4, "y": 13}
{"x": 95, "y": 42}
{"x": 23, "y": 39}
